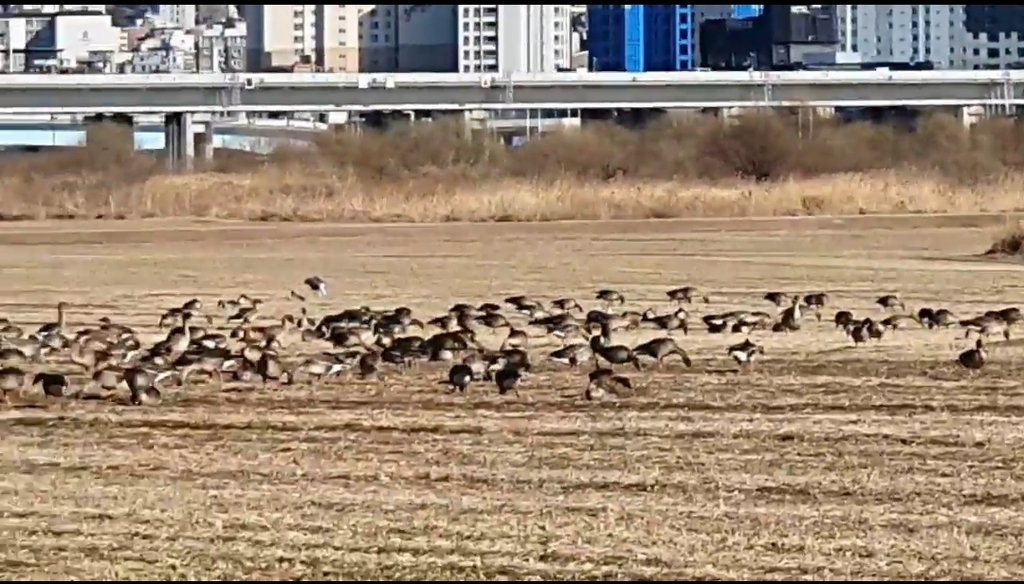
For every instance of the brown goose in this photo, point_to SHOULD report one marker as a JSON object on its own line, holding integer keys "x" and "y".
{"x": 609, "y": 297}
{"x": 890, "y": 302}
{"x": 602, "y": 381}
{"x": 613, "y": 354}
{"x": 661, "y": 348}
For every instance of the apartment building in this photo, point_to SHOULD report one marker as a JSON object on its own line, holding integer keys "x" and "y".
{"x": 177, "y": 15}
{"x": 518, "y": 38}
{"x": 940, "y": 33}
{"x": 31, "y": 40}
{"x": 351, "y": 37}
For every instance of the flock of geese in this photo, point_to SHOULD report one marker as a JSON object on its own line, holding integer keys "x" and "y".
{"x": 250, "y": 345}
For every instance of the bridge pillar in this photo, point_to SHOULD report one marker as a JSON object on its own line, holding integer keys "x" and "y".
{"x": 203, "y": 142}
{"x": 178, "y": 142}
{"x": 115, "y": 131}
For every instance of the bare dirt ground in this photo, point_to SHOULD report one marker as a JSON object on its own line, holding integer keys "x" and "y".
{"x": 825, "y": 462}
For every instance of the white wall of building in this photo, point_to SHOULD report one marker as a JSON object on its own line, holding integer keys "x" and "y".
{"x": 516, "y": 38}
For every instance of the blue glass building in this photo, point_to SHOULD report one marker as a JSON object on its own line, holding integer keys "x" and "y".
{"x": 640, "y": 37}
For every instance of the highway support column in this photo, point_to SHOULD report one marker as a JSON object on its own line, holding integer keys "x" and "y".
{"x": 178, "y": 142}
{"x": 203, "y": 142}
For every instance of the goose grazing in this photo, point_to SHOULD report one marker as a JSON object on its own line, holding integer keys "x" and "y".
{"x": 317, "y": 285}
{"x": 661, "y": 348}
{"x": 53, "y": 384}
{"x": 746, "y": 352}
{"x": 974, "y": 358}
{"x": 566, "y": 305}
{"x": 509, "y": 377}
{"x": 843, "y": 319}
{"x": 609, "y": 297}
{"x": 890, "y": 302}
{"x": 602, "y": 380}
{"x": 680, "y": 295}
{"x": 777, "y": 298}
{"x": 459, "y": 377}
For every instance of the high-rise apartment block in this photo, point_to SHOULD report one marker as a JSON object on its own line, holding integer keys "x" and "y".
{"x": 352, "y": 37}
{"x": 410, "y": 37}
{"x": 952, "y": 36}
{"x": 517, "y": 38}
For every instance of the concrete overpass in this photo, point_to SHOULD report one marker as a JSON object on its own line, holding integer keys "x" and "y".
{"x": 322, "y": 92}
{"x": 181, "y": 97}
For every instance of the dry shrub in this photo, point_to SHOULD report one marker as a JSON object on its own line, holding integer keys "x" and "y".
{"x": 1008, "y": 242}
{"x": 762, "y": 163}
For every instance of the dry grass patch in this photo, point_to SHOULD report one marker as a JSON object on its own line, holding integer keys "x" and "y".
{"x": 766, "y": 164}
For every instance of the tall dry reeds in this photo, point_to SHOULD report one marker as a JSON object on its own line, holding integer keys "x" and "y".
{"x": 760, "y": 164}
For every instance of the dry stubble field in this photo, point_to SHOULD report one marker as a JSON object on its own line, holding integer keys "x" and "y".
{"x": 826, "y": 462}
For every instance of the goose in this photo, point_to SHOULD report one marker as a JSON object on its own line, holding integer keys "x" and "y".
{"x": 193, "y": 305}
{"x": 777, "y": 298}
{"x": 668, "y": 322}
{"x": 369, "y": 364}
{"x": 898, "y": 321}
{"x": 601, "y": 381}
{"x": 890, "y": 302}
{"x": 815, "y": 303}
{"x": 459, "y": 377}
{"x": 572, "y": 355}
{"x": 524, "y": 304}
{"x": 684, "y": 294}
{"x": 661, "y": 348}
{"x": 269, "y": 368}
{"x": 142, "y": 386}
{"x": 317, "y": 285}
{"x": 609, "y": 297}
{"x": 566, "y": 305}
{"x": 974, "y": 358}
{"x": 613, "y": 354}
{"x": 11, "y": 379}
{"x": 55, "y": 327}
{"x": 53, "y": 384}
{"x": 843, "y": 319}
{"x": 320, "y": 367}
{"x": 516, "y": 339}
{"x": 509, "y": 377}
{"x": 246, "y": 314}
{"x": 745, "y": 352}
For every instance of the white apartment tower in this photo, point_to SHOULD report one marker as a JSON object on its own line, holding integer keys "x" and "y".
{"x": 177, "y": 15}
{"x": 517, "y": 38}
{"x": 922, "y": 32}
{"x": 351, "y": 37}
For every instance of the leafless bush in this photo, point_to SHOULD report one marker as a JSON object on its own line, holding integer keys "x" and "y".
{"x": 762, "y": 162}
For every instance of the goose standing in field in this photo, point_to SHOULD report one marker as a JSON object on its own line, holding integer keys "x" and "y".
{"x": 317, "y": 285}
{"x": 55, "y": 327}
